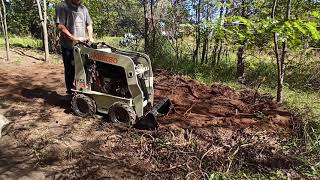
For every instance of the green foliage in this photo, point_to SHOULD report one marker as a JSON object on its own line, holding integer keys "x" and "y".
{"x": 112, "y": 41}
{"x": 164, "y": 54}
{"x": 303, "y": 74}
{"x": 312, "y": 29}
{"x": 315, "y": 14}
{"x": 165, "y": 58}
{"x": 116, "y": 17}
{"x": 297, "y": 32}
{"x": 262, "y": 67}
{"x": 20, "y": 22}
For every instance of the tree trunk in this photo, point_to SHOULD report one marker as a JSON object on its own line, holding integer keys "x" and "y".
{"x": 218, "y": 58}
{"x": 215, "y": 52}
{"x": 5, "y": 29}
{"x": 219, "y": 53}
{"x": 205, "y": 41}
{"x": 217, "y": 46}
{"x": 240, "y": 64}
{"x": 153, "y": 31}
{"x": 146, "y": 27}
{"x": 177, "y": 50}
{"x": 281, "y": 74}
{"x": 221, "y": 10}
{"x": 196, "y": 51}
{"x": 2, "y": 24}
{"x": 176, "y": 32}
{"x": 204, "y": 50}
{"x": 276, "y": 51}
{"x": 280, "y": 59}
{"x": 45, "y": 30}
{"x": 207, "y": 49}
{"x": 43, "y": 19}
{"x": 241, "y": 49}
{"x": 226, "y": 54}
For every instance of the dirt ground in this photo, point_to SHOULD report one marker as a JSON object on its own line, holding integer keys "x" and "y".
{"x": 212, "y": 129}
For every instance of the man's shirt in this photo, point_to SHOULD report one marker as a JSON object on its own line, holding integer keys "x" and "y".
{"x": 75, "y": 19}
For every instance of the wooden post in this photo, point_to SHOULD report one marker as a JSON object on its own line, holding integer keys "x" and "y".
{"x": 5, "y": 29}
{"x": 44, "y": 27}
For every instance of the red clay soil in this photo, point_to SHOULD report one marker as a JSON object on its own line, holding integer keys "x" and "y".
{"x": 199, "y": 106}
{"x": 212, "y": 128}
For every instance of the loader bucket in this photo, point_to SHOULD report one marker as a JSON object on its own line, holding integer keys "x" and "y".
{"x": 149, "y": 120}
{"x": 163, "y": 107}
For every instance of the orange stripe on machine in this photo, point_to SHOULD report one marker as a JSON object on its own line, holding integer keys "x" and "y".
{"x": 102, "y": 57}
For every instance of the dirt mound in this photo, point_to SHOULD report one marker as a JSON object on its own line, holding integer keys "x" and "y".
{"x": 200, "y": 106}
{"x": 213, "y": 128}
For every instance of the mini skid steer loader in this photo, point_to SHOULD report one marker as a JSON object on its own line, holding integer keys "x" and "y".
{"x": 118, "y": 83}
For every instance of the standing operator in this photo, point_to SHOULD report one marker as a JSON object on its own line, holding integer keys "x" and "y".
{"x": 75, "y": 24}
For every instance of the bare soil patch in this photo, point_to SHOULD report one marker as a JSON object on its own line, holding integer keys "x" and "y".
{"x": 213, "y": 128}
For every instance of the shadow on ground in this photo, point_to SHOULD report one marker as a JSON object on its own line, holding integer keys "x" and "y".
{"x": 49, "y": 97}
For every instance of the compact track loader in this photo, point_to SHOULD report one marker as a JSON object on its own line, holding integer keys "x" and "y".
{"x": 118, "y": 83}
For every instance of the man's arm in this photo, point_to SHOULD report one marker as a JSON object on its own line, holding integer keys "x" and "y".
{"x": 90, "y": 32}
{"x": 89, "y": 25}
{"x": 67, "y": 33}
{"x": 61, "y": 21}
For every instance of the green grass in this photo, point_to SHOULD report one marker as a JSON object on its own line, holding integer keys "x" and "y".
{"x": 25, "y": 42}
{"x": 275, "y": 175}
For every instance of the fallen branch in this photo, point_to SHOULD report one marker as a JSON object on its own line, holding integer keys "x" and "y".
{"x": 188, "y": 110}
{"x": 24, "y": 54}
{"x": 231, "y": 159}
{"x": 204, "y": 155}
{"x": 100, "y": 155}
{"x": 173, "y": 167}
